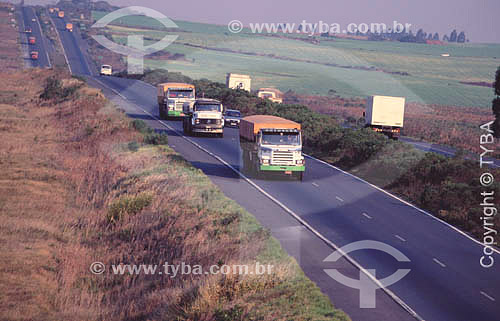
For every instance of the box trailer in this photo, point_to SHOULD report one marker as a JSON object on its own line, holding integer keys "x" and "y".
{"x": 385, "y": 114}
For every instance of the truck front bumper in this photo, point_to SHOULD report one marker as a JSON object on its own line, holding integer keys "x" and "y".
{"x": 208, "y": 129}
{"x": 282, "y": 168}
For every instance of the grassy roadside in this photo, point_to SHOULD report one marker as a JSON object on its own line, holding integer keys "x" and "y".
{"x": 81, "y": 183}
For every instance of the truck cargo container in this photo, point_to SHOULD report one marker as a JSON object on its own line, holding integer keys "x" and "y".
{"x": 385, "y": 114}
{"x": 271, "y": 144}
{"x": 237, "y": 81}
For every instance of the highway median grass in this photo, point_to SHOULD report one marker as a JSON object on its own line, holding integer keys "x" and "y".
{"x": 83, "y": 183}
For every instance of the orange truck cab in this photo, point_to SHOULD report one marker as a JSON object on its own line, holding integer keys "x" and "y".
{"x": 69, "y": 27}
{"x": 61, "y": 14}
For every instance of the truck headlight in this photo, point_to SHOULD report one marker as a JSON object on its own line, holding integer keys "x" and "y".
{"x": 197, "y": 121}
{"x": 265, "y": 161}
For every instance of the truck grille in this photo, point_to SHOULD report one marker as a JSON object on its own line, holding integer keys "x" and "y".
{"x": 178, "y": 106}
{"x": 282, "y": 158}
{"x": 210, "y": 121}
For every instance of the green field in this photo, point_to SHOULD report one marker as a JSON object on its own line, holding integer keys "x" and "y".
{"x": 307, "y": 68}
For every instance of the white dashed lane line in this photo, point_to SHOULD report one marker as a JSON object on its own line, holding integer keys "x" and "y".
{"x": 400, "y": 238}
{"x": 314, "y": 184}
{"x": 489, "y": 297}
{"x": 367, "y": 216}
{"x": 439, "y": 262}
{"x": 338, "y": 198}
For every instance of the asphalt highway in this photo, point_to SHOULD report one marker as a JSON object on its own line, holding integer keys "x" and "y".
{"x": 330, "y": 209}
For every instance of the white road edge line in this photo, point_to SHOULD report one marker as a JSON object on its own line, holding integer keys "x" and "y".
{"x": 367, "y": 216}
{"x": 391, "y": 294}
{"x": 402, "y": 201}
{"x": 439, "y": 262}
{"x": 400, "y": 238}
{"x": 487, "y": 296}
{"x": 339, "y": 198}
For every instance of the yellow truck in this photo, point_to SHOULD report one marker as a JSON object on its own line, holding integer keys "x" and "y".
{"x": 171, "y": 98}
{"x": 385, "y": 114}
{"x": 69, "y": 27}
{"x": 60, "y": 14}
{"x": 271, "y": 144}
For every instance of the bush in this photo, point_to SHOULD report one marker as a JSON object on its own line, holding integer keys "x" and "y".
{"x": 156, "y": 139}
{"x": 54, "y": 90}
{"x": 128, "y": 206}
{"x": 140, "y": 126}
{"x": 133, "y": 146}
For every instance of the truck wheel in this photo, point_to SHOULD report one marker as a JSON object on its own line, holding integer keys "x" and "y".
{"x": 300, "y": 176}
{"x": 221, "y": 135}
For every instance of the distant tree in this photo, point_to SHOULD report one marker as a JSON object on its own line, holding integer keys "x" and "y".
{"x": 461, "y": 37}
{"x": 496, "y": 105}
{"x": 429, "y": 36}
{"x": 436, "y": 36}
{"x": 445, "y": 38}
{"x": 420, "y": 35}
{"x": 453, "y": 36}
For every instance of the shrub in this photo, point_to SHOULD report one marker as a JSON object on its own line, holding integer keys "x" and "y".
{"x": 133, "y": 146}
{"x": 128, "y": 206}
{"x": 140, "y": 126}
{"x": 54, "y": 90}
{"x": 156, "y": 139}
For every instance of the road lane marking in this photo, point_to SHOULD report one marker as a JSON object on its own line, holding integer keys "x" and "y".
{"x": 338, "y": 198}
{"x": 367, "y": 216}
{"x": 439, "y": 262}
{"x": 487, "y": 296}
{"x": 400, "y": 238}
{"x": 334, "y": 246}
{"x": 402, "y": 201}
{"x": 314, "y": 184}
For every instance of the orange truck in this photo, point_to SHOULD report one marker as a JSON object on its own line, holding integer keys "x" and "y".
{"x": 34, "y": 55}
{"x": 271, "y": 144}
{"x": 69, "y": 27}
{"x": 61, "y": 14}
{"x": 31, "y": 40}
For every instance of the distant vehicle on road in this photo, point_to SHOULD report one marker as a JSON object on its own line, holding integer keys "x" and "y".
{"x": 106, "y": 70}
{"x": 69, "y": 27}
{"x": 29, "y": 30}
{"x": 385, "y": 115}
{"x": 232, "y": 118}
{"x": 33, "y": 20}
{"x": 31, "y": 40}
{"x": 60, "y": 14}
{"x": 51, "y": 10}
{"x": 171, "y": 98}
{"x": 34, "y": 55}
{"x": 272, "y": 94}
{"x": 237, "y": 81}
{"x": 271, "y": 144}
{"x": 205, "y": 116}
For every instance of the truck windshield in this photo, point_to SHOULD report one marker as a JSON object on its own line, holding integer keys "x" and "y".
{"x": 207, "y": 107}
{"x": 183, "y": 93}
{"x": 277, "y": 138}
{"x": 233, "y": 113}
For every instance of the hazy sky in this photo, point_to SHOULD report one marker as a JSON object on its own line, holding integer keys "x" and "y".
{"x": 479, "y": 18}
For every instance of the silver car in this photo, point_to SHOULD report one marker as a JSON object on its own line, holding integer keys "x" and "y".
{"x": 232, "y": 118}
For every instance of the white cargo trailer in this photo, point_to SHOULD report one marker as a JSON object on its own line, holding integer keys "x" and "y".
{"x": 385, "y": 114}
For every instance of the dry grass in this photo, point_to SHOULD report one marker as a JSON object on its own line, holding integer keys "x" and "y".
{"x": 10, "y": 59}
{"x": 67, "y": 167}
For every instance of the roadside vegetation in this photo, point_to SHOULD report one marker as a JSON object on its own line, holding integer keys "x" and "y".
{"x": 11, "y": 57}
{"x": 447, "y": 187}
{"x": 82, "y": 183}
